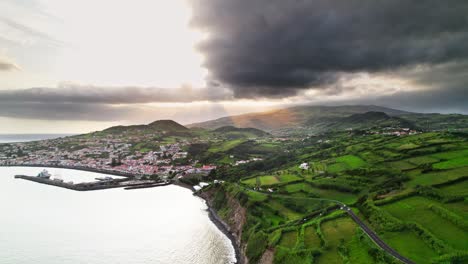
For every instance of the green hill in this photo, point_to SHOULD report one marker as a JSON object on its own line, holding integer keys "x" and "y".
{"x": 160, "y": 125}
{"x": 247, "y": 132}
{"x": 167, "y": 125}
{"x": 293, "y": 117}
{"x": 315, "y": 119}
{"x": 366, "y": 120}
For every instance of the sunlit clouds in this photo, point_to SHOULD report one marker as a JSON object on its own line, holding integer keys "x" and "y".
{"x": 102, "y": 62}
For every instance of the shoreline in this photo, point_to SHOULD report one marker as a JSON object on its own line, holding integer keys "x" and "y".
{"x": 217, "y": 221}
{"x": 225, "y": 229}
{"x": 212, "y": 215}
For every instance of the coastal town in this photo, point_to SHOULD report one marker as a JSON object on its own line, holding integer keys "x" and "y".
{"x": 106, "y": 154}
{"x": 125, "y": 154}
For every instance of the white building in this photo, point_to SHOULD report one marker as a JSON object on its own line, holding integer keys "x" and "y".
{"x": 304, "y": 166}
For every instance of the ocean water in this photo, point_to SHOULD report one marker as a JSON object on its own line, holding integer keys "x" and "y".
{"x": 44, "y": 224}
{"x": 6, "y": 138}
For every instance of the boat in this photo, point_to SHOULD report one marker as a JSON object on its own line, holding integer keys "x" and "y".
{"x": 44, "y": 174}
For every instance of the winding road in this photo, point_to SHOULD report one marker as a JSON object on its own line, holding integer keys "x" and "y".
{"x": 372, "y": 235}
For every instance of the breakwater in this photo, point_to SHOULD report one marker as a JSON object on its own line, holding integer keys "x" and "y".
{"x": 92, "y": 186}
{"x": 81, "y": 168}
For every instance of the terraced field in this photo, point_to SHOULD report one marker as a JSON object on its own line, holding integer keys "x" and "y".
{"x": 411, "y": 190}
{"x": 415, "y": 209}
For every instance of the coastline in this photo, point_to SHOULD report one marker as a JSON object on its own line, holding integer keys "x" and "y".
{"x": 212, "y": 215}
{"x": 226, "y": 231}
{"x": 218, "y": 222}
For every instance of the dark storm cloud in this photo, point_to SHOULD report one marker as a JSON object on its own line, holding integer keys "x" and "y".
{"x": 65, "y": 111}
{"x": 80, "y": 102}
{"x": 111, "y": 95}
{"x": 273, "y": 48}
{"x": 446, "y": 90}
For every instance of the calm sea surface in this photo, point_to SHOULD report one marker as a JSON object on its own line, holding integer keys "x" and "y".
{"x": 44, "y": 224}
{"x": 5, "y": 138}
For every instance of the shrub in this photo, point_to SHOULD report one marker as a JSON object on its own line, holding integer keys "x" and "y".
{"x": 257, "y": 244}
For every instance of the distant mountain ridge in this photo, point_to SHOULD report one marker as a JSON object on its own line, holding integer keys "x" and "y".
{"x": 326, "y": 118}
{"x": 293, "y": 117}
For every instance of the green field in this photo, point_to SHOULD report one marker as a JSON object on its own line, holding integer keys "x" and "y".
{"x": 422, "y": 160}
{"x": 268, "y": 180}
{"x": 311, "y": 239}
{"x": 356, "y": 170}
{"x": 288, "y": 239}
{"x": 409, "y": 245}
{"x": 401, "y": 165}
{"x": 250, "y": 181}
{"x": 283, "y": 210}
{"x": 453, "y": 163}
{"x": 297, "y": 187}
{"x": 225, "y": 145}
{"x": 335, "y": 195}
{"x": 288, "y": 178}
{"x": 256, "y": 196}
{"x": 335, "y": 232}
{"x": 415, "y": 209}
{"x": 347, "y": 162}
{"x": 451, "y": 154}
{"x": 437, "y": 177}
{"x": 460, "y": 188}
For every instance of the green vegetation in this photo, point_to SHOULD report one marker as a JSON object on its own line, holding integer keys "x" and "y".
{"x": 412, "y": 190}
{"x": 418, "y": 209}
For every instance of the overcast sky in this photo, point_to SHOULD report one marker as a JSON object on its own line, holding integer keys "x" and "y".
{"x": 77, "y": 66}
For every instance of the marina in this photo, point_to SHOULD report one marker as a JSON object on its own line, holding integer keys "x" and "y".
{"x": 101, "y": 183}
{"x": 98, "y": 227}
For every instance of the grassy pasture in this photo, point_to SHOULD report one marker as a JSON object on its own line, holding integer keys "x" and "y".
{"x": 453, "y": 163}
{"x": 409, "y": 245}
{"x": 415, "y": 209}
{"x": 460, "y": 188}
{"x": 283, "y": 210}
{"x": 460, "y": 208}
{"x": 225, "y": 145}
{"x": 401, "y": 165}
{"x": 318, "y": 167}
{"x": 250, "y": 181}
{"x": 268, "y": 180}
{"x": 311, "y": 239}
{"x": 335, "y": 231}
{"x": 351, "y": 161}
{"x": 256, "y": 196}
{"x": 371, "y": 157}
{"x": 422, "y": 160}
{"x": 323, "y": 193}
{"x": 451, "y": 154}
{"x": 334, "y": 194}
{"x": 288, "y": 178}
{"x": 346, "y": 162}
{"x": 337, "y": 167}
{"x": 437, "y": 177}
{"x": 297, "y": 187}
{"x": 388, "y": 154}
{"x": 288, "y": 239}
{"x": 357, "y": 252}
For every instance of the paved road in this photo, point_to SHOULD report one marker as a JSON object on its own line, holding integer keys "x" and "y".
{"x": 376, "y": 238}
{"x": 372, "y": 235}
